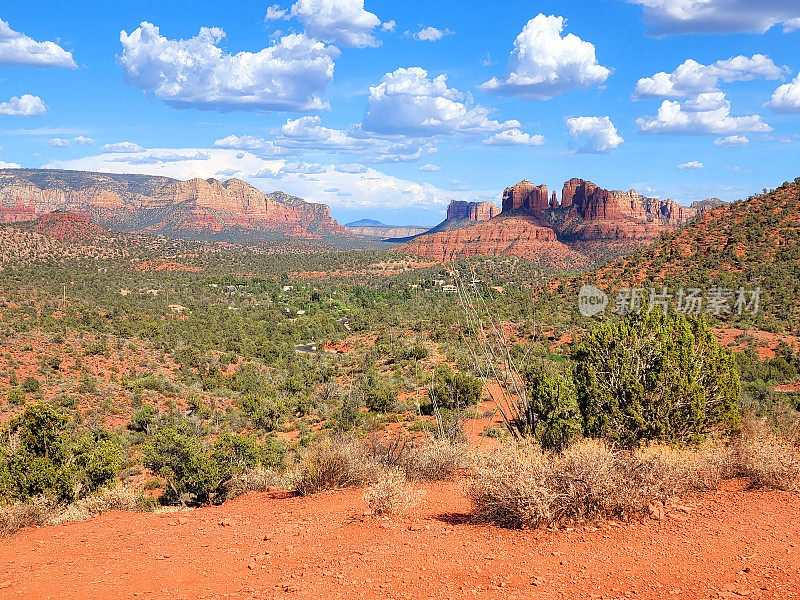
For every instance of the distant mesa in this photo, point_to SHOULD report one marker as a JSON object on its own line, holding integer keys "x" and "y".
{"x": 232, "y": 210}
{"x": 366, "y": 223}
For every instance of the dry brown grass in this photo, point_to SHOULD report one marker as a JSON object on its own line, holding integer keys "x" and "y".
{"x": 522, "y": 486}
{"x": 330, "y": 464}
{"x": 257, "y": 480}
{"x": 44, "y": 511}
{"x": 391, "y": 494}
{"x": 768, "y": 462}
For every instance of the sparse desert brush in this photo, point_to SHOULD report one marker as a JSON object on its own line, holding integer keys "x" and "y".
{"x": 439, "y": 459}
{"x": 334, "y": 463}
{"x": 119, "y": 498}
{"x": 768, "y": 461}
{"x": 392, "y": 494}
{"x": 257, "y": 480}
{"x": 523, "y": 486}
{"x": 25, "y": 514}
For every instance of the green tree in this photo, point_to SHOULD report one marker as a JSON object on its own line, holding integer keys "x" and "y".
{"x": 550, "y": 410}
{"x": 453, "y": 390}
{"x": 655, "y": 377}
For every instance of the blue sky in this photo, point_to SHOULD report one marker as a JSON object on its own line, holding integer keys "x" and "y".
{"x": 389, "y": 110}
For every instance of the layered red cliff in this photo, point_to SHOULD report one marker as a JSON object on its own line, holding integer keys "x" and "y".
{"x": 158, "y": 204}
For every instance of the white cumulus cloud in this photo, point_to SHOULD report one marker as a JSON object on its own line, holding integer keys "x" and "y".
{"x": 717, "y": 16}
{"x": 692, "y": 164}
{"x": 786, "y": 99}
{"x": 8, "y": 165}
{"x": 59, "y": 143}
{"x": 344, "y": 22}
{"x": 431, "y": 34}
{"x": 732, "y": 140}
{"x": 408, "y": 102}
{"x": 514, "y": 137}
{"x": 196, "y": 73}
{"x": 692, "y": 77}
{"x": 23, "y": 106}
{"x": 430, "y": 167}
{"x": 593, "y": 135}
{"x": 544, "y": 64}
{"x": 121, "y": 147}
{"x": 17, "y": 49}
{"x": 708, "y": 114}
{"x": 359, "y": 186}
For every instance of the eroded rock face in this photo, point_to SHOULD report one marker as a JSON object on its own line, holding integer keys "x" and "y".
{"x": 526, "y": 195}
{"x": 522, "y": 236}
{"x": 471, "y": 211}
{"x": 162, "y": 205}
{"x": 587, "y": 219}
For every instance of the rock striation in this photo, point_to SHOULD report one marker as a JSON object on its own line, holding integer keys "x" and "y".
{"x": 589, "y": 219}
{"x": 471, "y": 211}
{"x": 195, "y": 208}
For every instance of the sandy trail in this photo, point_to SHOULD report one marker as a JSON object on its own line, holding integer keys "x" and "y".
{"x": 732, "y": 544}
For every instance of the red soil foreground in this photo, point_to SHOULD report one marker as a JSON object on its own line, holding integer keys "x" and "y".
{"x": 732, "y": 544}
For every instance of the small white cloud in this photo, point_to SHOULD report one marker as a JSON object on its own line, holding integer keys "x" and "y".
{"x": 732, "y": 140}
{"x": 276, "y": 13}
{"x": 786, "y": 99}
{"x": 344, "y": 22}
{"x": 59, "y": 143}
{"x": 82, "y": 140}
{"x": 716, "y": 16}
{"x": 791, "y": 25}
{"x": 8, "y": 165}
{"x": 23, "y": 106}
{"x": 388, "y": 26}
{"x": 692, "y": 77}
{"x": 692, "y": 164}
{"x": 544, "y": 64}
{"x": 514, "y": 137}
{"x": 17, "y": 49}
{"x": 408, "y": 102}
{"x": 597, "y": 134}
{"x": 430, "y": 167}
{"x": 431, "y": 34}
{"x": 122, "y": 147}
{"x": 196, "y": 73}
{"x": 708, "y": 114}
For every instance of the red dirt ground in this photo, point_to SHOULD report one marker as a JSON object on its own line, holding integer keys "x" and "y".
{"x": 732, "y": 544}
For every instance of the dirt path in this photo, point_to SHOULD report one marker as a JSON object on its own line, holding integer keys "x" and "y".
{"x": 732, "y": 544}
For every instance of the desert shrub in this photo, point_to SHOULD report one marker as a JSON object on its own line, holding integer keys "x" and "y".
{"x": 15, "y": 397}
{"x": 655, "y": 377}
{"x": 184, "y": 462}
{"x": 238, "y": 454}
{"x": 143, "y": 418}
{"x": 41, "y": 457}
{"x": 522, "y": 486}
{"x": 436, "y": 460}
{"x": 30, "y": 385}
{"x": 259, "y": 479}
{"x": 391, "y": 494}
{"x": 377, "y": 395}
{"x": 415, "y": 351}
{"x": 768, "y": 461}
{"x": 452, "y": 390}
{"x": 265, "y": 411}
{"x": 32, "y": 513}
{"x": 334, "y": 463}
{"x": 549, "y": 413}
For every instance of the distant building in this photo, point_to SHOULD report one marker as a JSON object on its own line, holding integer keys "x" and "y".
{"x": 449, "y": 289}
{"x": 176, "y": 308}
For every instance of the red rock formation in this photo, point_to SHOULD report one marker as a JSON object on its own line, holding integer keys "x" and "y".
{"x": 522, "y": 236}
{"x": 471, "y": 211}
{"x": 67, "y": 227}
{"x": 158, "y": 204}
{"x": 533, "y": 198}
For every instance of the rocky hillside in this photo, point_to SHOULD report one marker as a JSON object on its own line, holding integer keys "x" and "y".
{"x": 197, "y": 208}
{"x": 67, "y": 227}
{"x": 751, "y": 243}
{"x": 588, "y": 221}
